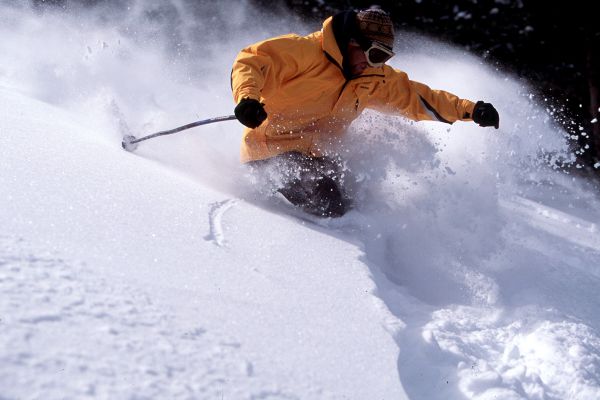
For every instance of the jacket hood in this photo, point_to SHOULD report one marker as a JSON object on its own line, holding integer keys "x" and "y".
{"x": 345, "y": 28}
{"x": 337, "y": 32}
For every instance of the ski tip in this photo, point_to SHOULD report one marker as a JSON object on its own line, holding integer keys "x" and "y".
{"x": 128, "y": 144}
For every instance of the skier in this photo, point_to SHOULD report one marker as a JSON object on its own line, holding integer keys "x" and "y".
{"x": 297, "y": 95}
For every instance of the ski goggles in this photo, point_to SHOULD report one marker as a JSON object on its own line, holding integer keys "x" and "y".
{"x": 376, "y": 53}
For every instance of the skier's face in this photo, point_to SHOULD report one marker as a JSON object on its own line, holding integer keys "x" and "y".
{"x": 357, "y": 60}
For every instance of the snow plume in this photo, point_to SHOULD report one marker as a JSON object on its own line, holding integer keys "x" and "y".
{"x": 141, "y": 66}
{"x": 136, "y": 67}
{"x": 480, "y": 247}
{"x": 435, "y": 189}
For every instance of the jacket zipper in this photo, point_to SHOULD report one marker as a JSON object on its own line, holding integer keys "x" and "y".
{"x": 333, "y": 61}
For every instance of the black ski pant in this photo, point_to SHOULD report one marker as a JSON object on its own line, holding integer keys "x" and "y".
{"x": 313, "y": 183}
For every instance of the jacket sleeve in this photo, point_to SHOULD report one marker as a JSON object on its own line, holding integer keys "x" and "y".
{"x": 259, "y": 69}
{"x": 414, "y": 100}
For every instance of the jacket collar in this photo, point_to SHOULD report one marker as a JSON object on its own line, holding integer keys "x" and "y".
{"x": 329, "y": 43}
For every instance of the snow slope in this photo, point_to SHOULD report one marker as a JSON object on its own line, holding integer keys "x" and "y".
{"x": 126, "y": 280}
{"x": 469, "y": 269}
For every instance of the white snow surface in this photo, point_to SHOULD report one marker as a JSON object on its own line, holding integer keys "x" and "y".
{"x": 469, "y": 268}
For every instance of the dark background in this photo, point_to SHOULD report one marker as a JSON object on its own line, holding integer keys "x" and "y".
{"x": 553, "y": 45}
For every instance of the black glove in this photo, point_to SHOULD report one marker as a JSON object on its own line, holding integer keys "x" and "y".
{"x": 250, "y": 112}
{"x": 485, "y": 114}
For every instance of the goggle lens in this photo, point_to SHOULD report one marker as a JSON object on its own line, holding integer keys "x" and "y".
{"x": 378, "y": 56}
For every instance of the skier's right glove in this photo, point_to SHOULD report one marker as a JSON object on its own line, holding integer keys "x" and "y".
{"x": 485, "y": 114}
{"x": 250, "y": 112}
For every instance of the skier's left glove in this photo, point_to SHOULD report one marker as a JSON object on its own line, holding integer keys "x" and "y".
{"x": 485, "y": 114}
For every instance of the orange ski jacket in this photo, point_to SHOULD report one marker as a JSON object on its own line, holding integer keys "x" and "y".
{"x": 309, "y": 101}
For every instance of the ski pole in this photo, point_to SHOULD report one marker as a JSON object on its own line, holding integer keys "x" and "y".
{"x": 130, "y": 143}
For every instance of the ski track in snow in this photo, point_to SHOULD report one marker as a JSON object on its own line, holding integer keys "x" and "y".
{"x": 583, "y": 233}
{"x": 120, "y": 344}
{"x": 215, "y": 219}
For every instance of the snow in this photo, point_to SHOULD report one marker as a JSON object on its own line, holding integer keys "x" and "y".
{"x": 469, "y": 268}
{"x": 202, "y": 262}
